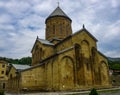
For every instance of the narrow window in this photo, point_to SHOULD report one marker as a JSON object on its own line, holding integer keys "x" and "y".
{"x": 61, "y": 28}
{"x": 53, "y": 29}
{"x": 77, "y": 53}
{"x": 3, "y": 66}
{"x": 67, "y": 29}
{"x": 10, "y": 76}
{"x": 2, "y": 72}
{"x": 3, "y": 85}
{"x": 88, "y": 67}
{"x": 48, "y": 31}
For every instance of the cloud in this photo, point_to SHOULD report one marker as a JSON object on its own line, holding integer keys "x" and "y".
{"x": 22, "y": 20}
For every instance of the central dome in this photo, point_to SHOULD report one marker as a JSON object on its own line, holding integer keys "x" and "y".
{"x": 57, "y": 13}
{"x": 58, "y": 25}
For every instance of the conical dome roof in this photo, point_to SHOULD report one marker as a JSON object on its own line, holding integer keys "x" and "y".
{"x": 58, "y": 13}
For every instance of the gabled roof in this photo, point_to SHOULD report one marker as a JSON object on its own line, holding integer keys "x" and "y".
{"x": 58, "y": 12}
{"x": 20, "y": 67}
{"x": 17, "y": 67}
{"x": 46, "y": 42}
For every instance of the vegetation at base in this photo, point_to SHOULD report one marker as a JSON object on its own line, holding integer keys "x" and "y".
{"x": 2, "y": 93}
{"x": 22, "y": 61}
{"x": 93, "y": 92}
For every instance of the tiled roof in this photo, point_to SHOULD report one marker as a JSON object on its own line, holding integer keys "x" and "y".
{"x": 58, "y": 12}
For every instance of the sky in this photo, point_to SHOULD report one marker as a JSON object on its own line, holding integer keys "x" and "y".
{"x": 21, "y": 21}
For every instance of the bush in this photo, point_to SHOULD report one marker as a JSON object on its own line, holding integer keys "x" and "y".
{"x": 2, "y": 93}
{"x": 93, "y": 92}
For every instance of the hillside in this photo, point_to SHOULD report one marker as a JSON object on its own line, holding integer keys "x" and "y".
{"x": 23, "y": 61}
{"x": 114, "y": 59}
{"x": 114, "y": 63}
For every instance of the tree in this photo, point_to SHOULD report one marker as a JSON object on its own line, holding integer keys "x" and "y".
{"x": 93, "y": 92}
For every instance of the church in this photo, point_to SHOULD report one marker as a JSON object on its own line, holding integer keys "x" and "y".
{"x": 64, "y": 61}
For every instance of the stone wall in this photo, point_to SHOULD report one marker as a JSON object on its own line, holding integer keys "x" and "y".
{"x": 33, "y": 79}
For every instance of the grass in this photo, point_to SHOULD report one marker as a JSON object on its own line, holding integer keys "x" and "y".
{"x": 99, "y": 91}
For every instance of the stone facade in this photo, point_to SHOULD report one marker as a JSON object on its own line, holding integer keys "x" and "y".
{"x": 65, "y": 61}
{"x": 13, "y": 81}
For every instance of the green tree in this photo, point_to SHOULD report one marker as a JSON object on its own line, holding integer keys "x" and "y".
{"x": 93, "y": 92}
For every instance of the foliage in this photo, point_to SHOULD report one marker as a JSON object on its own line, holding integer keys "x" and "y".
{"x": 114, "y": 64}
{"x": 23, "y": 61}
{"x": 2, "y": 93}
{"x": 93, "y": 92}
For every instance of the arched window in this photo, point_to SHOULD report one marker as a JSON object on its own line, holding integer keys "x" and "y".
{"x": 40, "y": 53}
{"x": 60, "y": 28}
{"x": 67, "y": 29}
{"x": 53, "y": 29}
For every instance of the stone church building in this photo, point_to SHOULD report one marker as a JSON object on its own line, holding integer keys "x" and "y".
{"x": 64, "y": 60}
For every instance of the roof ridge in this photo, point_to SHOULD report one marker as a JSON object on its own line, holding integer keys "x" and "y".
{"x": 57, "y": 9}
{"x": 44, "y": 41}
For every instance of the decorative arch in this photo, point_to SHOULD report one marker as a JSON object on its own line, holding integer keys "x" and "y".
{"x": 85, "y": 41}
{"x": 67, "y": 57}
{"x": 78, "y": 55}
{"x": 85, "y": 48}
{"x": 104, "y": 73}
{"x": 94, "y": 55}
{"x": 67, "y": 72}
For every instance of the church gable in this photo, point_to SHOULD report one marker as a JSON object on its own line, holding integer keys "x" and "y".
{"x": 39, "y": 50}
{"x": 84, "y": 35}
{"x": 85, "y": 31}
{"x": 42, "y": 42}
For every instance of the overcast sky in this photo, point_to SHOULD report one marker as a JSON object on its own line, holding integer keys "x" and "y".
{"x": 21, "y": 21}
